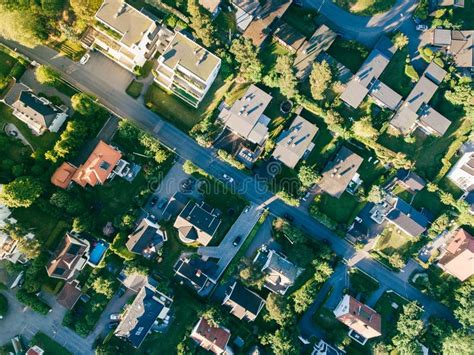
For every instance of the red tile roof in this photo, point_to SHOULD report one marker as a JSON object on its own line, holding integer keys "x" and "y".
{"x": 63, "y": 175}
{"x": 211, "y": 338}
{"x": 458, "y": 259}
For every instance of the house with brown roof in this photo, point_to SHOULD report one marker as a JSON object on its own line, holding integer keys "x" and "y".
{"x": 211, "y": 338}
{"x": 289, "y": 37}
{"x": 459, "y": 44}
{"x": 70, "y": 257}
{"x": 104, "y": 163}
{"x": 69, "y": 294}
{"x": 364, "y": 322}
{"x": 243, "y": 303}
{"x": 458, "y": 257}
{"x": 146, "y": 239}
{"x": 280, "y": 273}
{"x": 197, "y": 223}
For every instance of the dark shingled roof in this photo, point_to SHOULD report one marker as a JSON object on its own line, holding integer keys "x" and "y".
{"x": 407, "y": 218}
{"x": 144, "y": 236}
{"x": 195, "y": 271}
{"x": 245, "y": 298}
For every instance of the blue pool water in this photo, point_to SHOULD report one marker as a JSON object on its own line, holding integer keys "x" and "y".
{"x": 98, "y": 252}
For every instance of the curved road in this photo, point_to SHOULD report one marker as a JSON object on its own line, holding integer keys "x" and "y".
{"x": 365, "y": 29}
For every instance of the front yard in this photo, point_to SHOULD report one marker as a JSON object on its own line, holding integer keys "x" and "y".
{"x": 302, "y": 19}
{"x": 393, "y": 247}
{"x": 349, "y": 53}
{"x": 394, "y": 74}
{"x": 48, "y": 345}
{"x": 389, "y": 306}
{"x": 361, "y": 284}
{"x": 341, "y": 210}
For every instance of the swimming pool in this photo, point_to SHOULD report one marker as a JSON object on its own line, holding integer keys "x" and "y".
{"x": 98, "y": 252}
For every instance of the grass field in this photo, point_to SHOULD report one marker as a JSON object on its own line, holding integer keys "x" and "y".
{"x": 362, "y": 284}
{"x": 134, "y": 89}
{"x": 393, "y": 241}
{"x": 269, "y": 54}
{"x": 6, "y": 64}
{"x": 389, "y": 314}
{"x": 301, "y": 19}
{"x": 48, "y": 345}
{"x": 365, "y": 7}
{"x": 349, "y": 53}
{"x": 341, "y": 210}
{"x": 176, "y": 111}
{"x": 394, "y": 75}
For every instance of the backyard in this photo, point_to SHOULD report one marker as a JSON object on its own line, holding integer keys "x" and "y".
{"x": 389, "y": 306}
{"x": 394, "y": 74}
{"x": 182, "y": 115}
{"x": 365, "y": 7}
{"x": 349, "y": 53}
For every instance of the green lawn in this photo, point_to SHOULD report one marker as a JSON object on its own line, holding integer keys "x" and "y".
{"x": 269, "y": 54}
{"x": 6, "y": 64}
{"x": 394, "y": 75}
{"x": 71, "y": 49}
{"x": 350, "y": 53}
{"x": 430, "y": 201}
{"x": 341, "y": 210}
{"x": 182, "y": 115}
{"x": 391, "y": 241}
{"x": 388, "y": 313}
{"x": 465, "y": 14}
{"x": 324, "y": 142}
{"x": 48, "y": 345}
{"x": 365, "y": 7}
{"x": 134, "y": 89}
{"x": 301, "y": 19}
{"x": 361, "y": 284}
{"x": 368, "y": 171}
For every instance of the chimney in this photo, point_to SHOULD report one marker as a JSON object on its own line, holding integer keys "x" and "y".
{"x": 198, "y": 273}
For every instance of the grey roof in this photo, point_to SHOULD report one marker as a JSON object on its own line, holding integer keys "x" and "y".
{"x": 245, "y": 114}
{"x": 339, "y": 172}
{"x": 421, "y": 93}
{"x": 125, "y": 19}
{"x": 441, "y": 37}
{"x": 434, "y": 121}
{"x": 198, "y": 222}
{"x": 407, "y": 218}
{"x": 413, "y": 181}
{"x": 279, "y": 265}
{"x": 319, "y": 42}
{"x": 36, "y": 108}
{"x": 289, "y": 36}
{"x": 249, "y": 6}
{"x": 462, "y": 47}
{"x": 293, "y": 143}
{"x": 404, "y": 120}
{"x": 186, "y": 53}
{"x": 435, "y": 73}
{"x": 14, "y": 93}
{"x": 384, "y": 94}
{"x": 354, "y": 93}
{"x": 147, "y": 234}
{"x": 141, "y": 315}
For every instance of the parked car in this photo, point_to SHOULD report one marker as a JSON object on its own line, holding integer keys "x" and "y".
{"x": 154, "y": 200}
{"x": 306, "y": 196}
{"x": 421, "y": 28}
{"x": 288, "y": 217}
{"x": 85, "y": 58}
{"x": 115, "y": 316}
{"x": 237, "y": 241}
{"x": 247, "y": 209}
{"x": 121, "y": 291}
{"x": 112, "y": 325}
{"x": 227, "y": 178}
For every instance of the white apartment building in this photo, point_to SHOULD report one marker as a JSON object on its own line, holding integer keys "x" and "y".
{"x": 125, "y": 34}
{"x": 462, "y": 173}
{"x": 187, "y": 69}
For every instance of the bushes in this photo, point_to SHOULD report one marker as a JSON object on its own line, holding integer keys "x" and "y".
{"x": 288, "y": 199}
{"x": 119, "y": 248}
{"x": 230, "y": 159}
{"x": 411, "y": 73}
{"x": 33, "y": 301}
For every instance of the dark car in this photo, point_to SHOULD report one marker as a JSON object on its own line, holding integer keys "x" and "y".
{"x": 121, "y": 291}
{"x": 154, "y": 200}
{"x": 289, "y": 217}
{"x": 237, "y": 241}
{"x": 162, "y": 203}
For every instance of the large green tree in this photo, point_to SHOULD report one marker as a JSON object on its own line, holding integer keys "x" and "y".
{"x": 21, "y": 25}
{"x": 283, "y": 76}
{"x": 246, "y": 54}
{"x": 320, "y": 79}
{"x": 21, "y": 192}
{"x": 307, "y": 176}
{"x": 459, "y": 342}
{"x": 47, "y": 76}
{"x": 201, "y": 23}
{"x": 84, "y": 104}
{"x": 409, "y": 328}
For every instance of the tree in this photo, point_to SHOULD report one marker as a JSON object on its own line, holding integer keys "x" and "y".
{"x": 21, "y": 192}
{"x": 464, "y": 311}
{"x": 283, "y": 76}
{"x": 307, "y": 176}
{"x": 282, "y": 342}
{"x": 153, "y": 147}
{"x": 320, "y": 79}
{"x": 396, "y": 261}
{"x": 292, "y": 233}
{"x": 214, "y": 317}
{"x": 21, "y": 26}
{"x": 322, "y": 271}
{"x": 84, "y": 104}
{"x": 83, "y": 223}
{"x": 376, "y": 194}
{"x": 103, "y": 286}
{"x": 409, "y": 328}
{"x": 422, "y": 10}
{"x": 246, "y": 54}
{"x": 459, "y": 342}
{"x": 462, "y": 95}
{"x": 400, "y": 40}
{"x": 438, "y": 330}
{"x": 47, "y": 76}
{"x": 363, "y": 128}
{"x": 201, "y": 23}
{"x": 439, "y": 225}
{"x": 63, "y": 200}
{"x": 304, "y": 296}
{"x": 134, "y": 267}
{"x": 278, "y": 309}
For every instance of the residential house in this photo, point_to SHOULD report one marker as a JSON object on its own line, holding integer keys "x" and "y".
{"x": 35, "y": 350}
{"x": 289, "y": 37}
{"x": 257, "y": 18}
{"x": 410, "y": 181}
{"x": 149, "y": 309}
{"x": 9, "y": 248}
{"x": 323, "y": 348}
{"x": 462, "y": 173}
{"x": 135, "y": 281}
{"x": 213, "y": 6}
{"x": 195, "y": 272}
{"x": 243, "y": 303}
{"x": 245, "y": 118}
{"x": 146, "y": 239}
{"x": 280, "y": 273}
{"x": 364, "y": 322}
{"x": 458, "y": 44}
{"x": 175, "y": 205}
{"x": 197, "y": 223}
{"x": 211, "y": 338}
{"x": 401, "y": 214}
{"x": 365, "y": 81}
{"x": 69, "y": 294}
{"x": 105, "y": 162}
{"x": 415, "y": 111}
{"x": 341, "y": 173}
{"x": 458, "y": 257}
{"x": 38, "y": 113}
{"x": 70, "y": 257}
{"x": 296, "y": 142}
{"x": 455, "y": 3}
{"x": 187, "y": 69}
{"x": 126, "y": 35}
{"x": 307, "y": 53}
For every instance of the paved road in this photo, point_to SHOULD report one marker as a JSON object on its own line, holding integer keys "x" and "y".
{"x": 363, "y": 28}
{"x": 113, "y": 97}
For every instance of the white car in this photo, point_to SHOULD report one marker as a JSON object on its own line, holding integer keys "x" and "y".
{"x": 421, "y": 28}
{"x": 85, "y": 58}
{"x": 227, "y": 178}
{"x": 115, "y": 316}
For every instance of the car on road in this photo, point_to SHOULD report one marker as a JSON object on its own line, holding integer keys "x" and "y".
{"x": 162, "y": 203}
{"x": 247, "y": 209}
{"x": 227, "y": 178}
{"x": 289, "y": 217}
{"x": 421, "y": 28}
{"x": 85, "y": 58}
{"x": 115, "y": 316}
{"x": 121, "y": 291}
{"x": 306, "y": 196}
{"x": 237, "y": 241}
{"x": 154, "y": 200}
